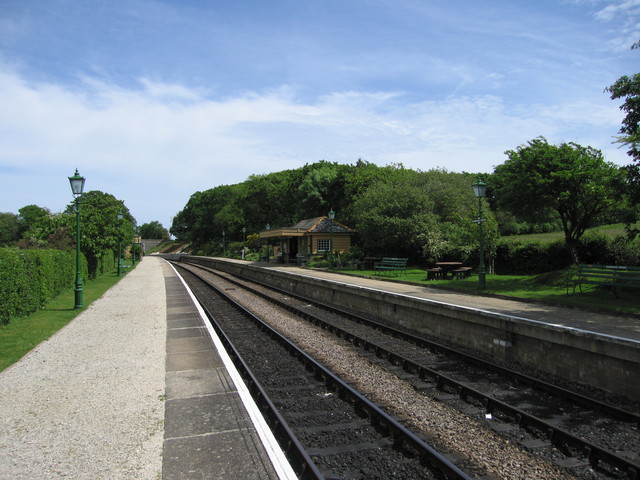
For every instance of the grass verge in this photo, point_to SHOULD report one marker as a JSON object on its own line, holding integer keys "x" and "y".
{"x": 21, "y": 335}
{"x": 547, "y": 287}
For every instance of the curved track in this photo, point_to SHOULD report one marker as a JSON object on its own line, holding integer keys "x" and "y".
{"x": 584, "y": 431}
{"x": 327, "y": 428}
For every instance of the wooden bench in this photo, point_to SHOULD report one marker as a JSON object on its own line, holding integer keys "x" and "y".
{"x": 391, "y": 265}
{"x": 610, "y": 276}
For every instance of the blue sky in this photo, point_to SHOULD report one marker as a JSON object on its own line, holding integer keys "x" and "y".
{"x": 153, "y": 100}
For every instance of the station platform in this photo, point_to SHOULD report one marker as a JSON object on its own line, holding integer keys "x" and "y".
{"x": 619, "y": 325}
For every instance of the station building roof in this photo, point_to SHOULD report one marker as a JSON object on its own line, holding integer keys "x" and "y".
{"x": 310, "y": 226}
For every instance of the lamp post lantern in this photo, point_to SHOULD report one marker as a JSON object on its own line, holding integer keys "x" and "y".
{"x": 479, "y": 190}
{"x": 77, "y": 186}
{"x": 119, "y": 244}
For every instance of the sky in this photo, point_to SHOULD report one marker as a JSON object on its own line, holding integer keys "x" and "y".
{"x": 154, "y": 100}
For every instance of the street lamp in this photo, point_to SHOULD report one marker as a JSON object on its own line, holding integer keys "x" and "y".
{"x": 119, "y": 242}
{"x": 77, "y": 185}
{"x": 244, "y": 240}
{"x": 332, "y": 216}
{"x": 479, "y": 190}
{"x": 268, "y": 245}
{"x": 223, "y": 244}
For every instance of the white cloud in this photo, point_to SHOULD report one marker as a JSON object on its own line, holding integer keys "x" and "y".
{"x": 627, "y": 8}
{"x": 176, "y": 140}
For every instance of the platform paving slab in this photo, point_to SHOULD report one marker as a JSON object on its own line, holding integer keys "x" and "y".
{"x": 208, "y": 433}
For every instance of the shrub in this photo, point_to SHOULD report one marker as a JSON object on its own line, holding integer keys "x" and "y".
{"x": 529, "y": 258}
{"x": 532, "y": 258}
{"x": 30, "y": 278}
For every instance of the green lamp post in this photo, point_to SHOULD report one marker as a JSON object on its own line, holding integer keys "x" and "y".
{"x": 244, "y": 240}
{"x": 77, "y": 186}
{"x": 268, "y": 245}
{"x": 479, "y": 190}
{"x": 332, "y": 216}
{"x": 119, "y": 244}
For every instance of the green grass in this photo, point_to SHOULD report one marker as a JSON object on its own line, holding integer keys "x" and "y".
{"x": 21, "y": 335}
{"x": 547, "y": 287}
{"x": 613, "y": 230}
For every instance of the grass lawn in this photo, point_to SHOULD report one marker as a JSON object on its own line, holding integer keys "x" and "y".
{"x": 548, "y": 287}
{"x": 23, "y": 334}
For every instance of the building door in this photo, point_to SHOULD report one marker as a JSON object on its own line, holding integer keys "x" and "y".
{"x": 293, "y": 249}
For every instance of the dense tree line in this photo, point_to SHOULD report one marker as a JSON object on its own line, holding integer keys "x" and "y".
{"x": 423, "y": 215}
{"x": 396, "y": 211}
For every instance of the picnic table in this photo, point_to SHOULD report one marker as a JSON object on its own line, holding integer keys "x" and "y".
{"x": 443, "y": 269}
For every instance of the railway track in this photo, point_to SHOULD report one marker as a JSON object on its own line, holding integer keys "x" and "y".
{"x": 327, "y": 429}
{"x": 591, "y": 438}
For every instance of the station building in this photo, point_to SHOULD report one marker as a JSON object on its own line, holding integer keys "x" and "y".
{"x": 314, "y": 236}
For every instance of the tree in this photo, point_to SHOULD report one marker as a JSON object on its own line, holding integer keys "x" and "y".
{"x": 569, "y": 180}
{"x": 29, "y": 216}
{"x": 419, "y": 215}
{"x": 628, "y": 88}
{"x": 318, "y": 189}
{"x": 100, "y": 228}
{"x": 390, "y": 217}
{"x": 9, "y": 228}
{"x": 153, "y": 230}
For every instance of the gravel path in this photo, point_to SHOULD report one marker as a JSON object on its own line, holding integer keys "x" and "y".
{"x": 88, "y": 403}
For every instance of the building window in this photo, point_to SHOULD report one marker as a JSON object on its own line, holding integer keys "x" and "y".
{"x": 324, "y": 245}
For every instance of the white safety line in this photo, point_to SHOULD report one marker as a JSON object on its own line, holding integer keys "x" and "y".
{"x": 276, "y": 455}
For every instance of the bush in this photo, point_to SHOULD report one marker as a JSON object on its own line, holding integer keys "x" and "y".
{"x": 532, "y": 258}
{"x": 30, "y": 278}
{"x": 252, "y": 256}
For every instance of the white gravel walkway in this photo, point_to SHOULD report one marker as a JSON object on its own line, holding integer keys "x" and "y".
{"x": 89, "y": 402}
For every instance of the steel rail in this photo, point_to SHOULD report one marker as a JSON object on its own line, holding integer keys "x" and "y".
{"x": 565, "y": 393}
{"x": 555, "y": 435}
{"x": 301, "y": 462}
{"x": 402, "y": 436}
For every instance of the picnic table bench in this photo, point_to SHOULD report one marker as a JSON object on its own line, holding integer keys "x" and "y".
{"x": 391, "y": 264}
{"x": 442, "y": 269}
{"x": 462, "y": 272}
{"x": 610, "y": 276}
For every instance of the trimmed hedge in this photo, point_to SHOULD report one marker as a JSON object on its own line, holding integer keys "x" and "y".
{"x": 30, "y": 278}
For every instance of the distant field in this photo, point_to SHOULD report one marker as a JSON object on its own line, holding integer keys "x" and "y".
{"x": 610, "y": 230}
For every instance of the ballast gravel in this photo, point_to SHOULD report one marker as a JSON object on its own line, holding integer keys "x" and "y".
{"x": 487, "y": 451}
{"x": 89, "y": 402}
